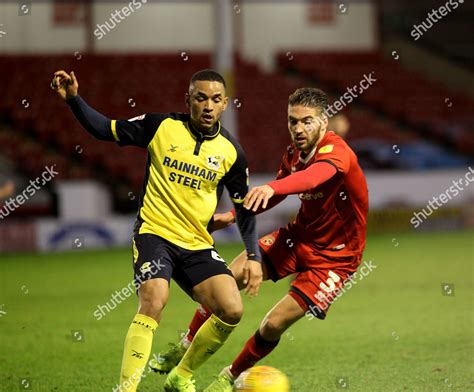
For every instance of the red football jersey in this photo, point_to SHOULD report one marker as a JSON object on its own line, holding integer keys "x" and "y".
{"x": 332, "y": 216}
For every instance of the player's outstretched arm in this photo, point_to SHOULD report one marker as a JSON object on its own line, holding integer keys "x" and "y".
{"x": 95, "y": 123}
{"x": 222, "y": 220}
{"x": 226, "y": 219}
{"x": 298, "y": 182}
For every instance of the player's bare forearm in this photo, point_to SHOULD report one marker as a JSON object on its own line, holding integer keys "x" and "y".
{"x": 253, "y": 277}
{"x": 223, "y": 220}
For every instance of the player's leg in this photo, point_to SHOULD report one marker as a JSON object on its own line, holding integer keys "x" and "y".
{"x": 280, "y": 261}
{"x": 203, "y": 313}
{"x": 266, "y": 338}
{"x": 305, "y": 297}
{"x": 152, "y": 276}
{"x": 153, "y": 296}
{"x": 221, "y": 296}
{"x": 273, "y": 246}
{"x": 170, "y": 358}
{"x": 206, "y": 278}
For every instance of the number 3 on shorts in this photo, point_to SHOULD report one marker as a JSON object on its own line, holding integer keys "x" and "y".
{"x": 331, "y": 282}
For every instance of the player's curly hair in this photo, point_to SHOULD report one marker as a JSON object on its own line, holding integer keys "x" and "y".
{"x": 208, "y": 75}
{"x": 309, "y": 96}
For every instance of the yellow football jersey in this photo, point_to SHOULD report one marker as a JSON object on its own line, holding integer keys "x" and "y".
{"x": 185, "y": 174}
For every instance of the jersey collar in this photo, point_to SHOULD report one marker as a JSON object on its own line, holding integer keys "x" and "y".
{"x": 313, "y": 151}
{"x": 200, "y": 135}
{"x": 309, "y": 156}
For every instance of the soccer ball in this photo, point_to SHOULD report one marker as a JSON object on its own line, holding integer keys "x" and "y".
{"x": 262, "y": 379}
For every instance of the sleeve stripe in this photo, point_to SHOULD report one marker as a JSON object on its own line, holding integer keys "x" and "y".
{"x": 113, "y": 126}
{"x": 328, "y": 161}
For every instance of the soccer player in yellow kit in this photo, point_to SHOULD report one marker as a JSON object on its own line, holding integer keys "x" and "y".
{"x": 191, "y": 157}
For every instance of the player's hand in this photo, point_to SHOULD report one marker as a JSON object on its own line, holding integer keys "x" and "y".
{"x": 7, "y": 189}
{"x": 258, "y": 195}
{"x": 221, "y": 221}
{"x": 65, "y": 84}
{"x": 253, "y": 276}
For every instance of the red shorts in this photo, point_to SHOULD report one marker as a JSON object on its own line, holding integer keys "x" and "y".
{"x": 320, "y": 279}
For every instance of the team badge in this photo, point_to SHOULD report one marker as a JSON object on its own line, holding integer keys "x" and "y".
{"x": 146, "y": 267}
{"x": 214, "y": 162}
{"x": 268, "y": 240}
{"x": 326, "y": 149}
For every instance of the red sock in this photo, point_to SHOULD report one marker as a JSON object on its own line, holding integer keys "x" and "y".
{"x": 200, "y": 317}
{"x": 255, "y": 349}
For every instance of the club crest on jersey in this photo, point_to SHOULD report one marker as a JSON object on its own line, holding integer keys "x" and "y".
{"x": 214, "y": 162}
{"x": 268, "y": 240}
{"x": 326, "y": 149}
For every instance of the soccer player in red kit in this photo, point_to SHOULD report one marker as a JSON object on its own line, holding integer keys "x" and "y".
{"x": 323, "y": 246}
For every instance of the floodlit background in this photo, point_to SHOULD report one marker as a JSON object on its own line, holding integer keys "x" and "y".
{"x": 399, "y": 74}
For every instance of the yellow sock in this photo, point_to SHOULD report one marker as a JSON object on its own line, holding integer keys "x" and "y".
{"x": 209, "y": 338}
{"x": 136, "y": 351}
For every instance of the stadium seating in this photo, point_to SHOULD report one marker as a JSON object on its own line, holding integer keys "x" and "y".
{"x": 405, "y": 97}
{"x": 402, "y": 108}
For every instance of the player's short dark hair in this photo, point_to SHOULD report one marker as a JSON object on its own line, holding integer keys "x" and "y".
{"x": 309, "y": 96}
{"x": 208, "y": 75}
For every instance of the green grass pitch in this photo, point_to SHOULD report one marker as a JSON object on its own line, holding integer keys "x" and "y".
{"x": 393, "y": 331}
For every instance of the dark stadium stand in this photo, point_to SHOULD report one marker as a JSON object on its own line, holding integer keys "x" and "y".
{"x": 451, "y": 39}
{"x": 397, "y": 110}
{"x": 403, "y": 97}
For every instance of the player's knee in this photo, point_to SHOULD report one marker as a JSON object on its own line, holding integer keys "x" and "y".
{"x": 151, "y": 307}
{"x": 272, "y": 328}
{"x": 230, "y": 313}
